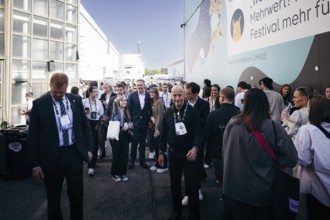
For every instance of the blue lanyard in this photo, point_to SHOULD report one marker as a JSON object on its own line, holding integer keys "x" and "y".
{"x": 66, "y": 103}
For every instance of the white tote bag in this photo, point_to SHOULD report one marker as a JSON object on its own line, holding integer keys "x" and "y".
{"x": 113, "y": 130}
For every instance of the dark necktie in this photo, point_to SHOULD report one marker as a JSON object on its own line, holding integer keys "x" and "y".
{"x": 65, "y": 132}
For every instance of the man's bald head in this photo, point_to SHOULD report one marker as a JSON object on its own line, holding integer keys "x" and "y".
{"x": 177, "y": 96}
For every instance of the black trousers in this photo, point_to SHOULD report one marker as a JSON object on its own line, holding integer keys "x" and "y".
{"x": 70, "y": 167}
{"x": 154, "y": 141}
{"x": 120, "y": 154}
{"x": 236, "y": 210}
{"x": 95, "y": 137}
{"x": 150, "y": 136}
{"x": 316, "y": 209}
{"x": 208, "y": 155}
{"x": 139, "y": 138}
{"x": 178, "y": 164}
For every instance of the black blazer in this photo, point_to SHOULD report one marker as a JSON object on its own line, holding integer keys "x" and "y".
{"x": 140, "y": 117}
{"x": 203, "y": 108}
{"x": 43, "y": 136}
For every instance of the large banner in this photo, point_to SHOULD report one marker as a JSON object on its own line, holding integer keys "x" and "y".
{"x": 228, "y": 41}
{"x": 257, "y": 24}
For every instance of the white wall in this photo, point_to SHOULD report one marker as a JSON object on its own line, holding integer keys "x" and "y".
{"x": 98, "y": 58}
{"x": 131, "y": 66}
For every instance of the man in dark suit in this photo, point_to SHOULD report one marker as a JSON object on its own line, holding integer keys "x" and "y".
{"x": 59, "y": 140}
{"x": 139, "y": 108}
{"x": 191, "y": 92}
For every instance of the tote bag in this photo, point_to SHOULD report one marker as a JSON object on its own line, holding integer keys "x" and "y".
{"x": 113, "y": 130}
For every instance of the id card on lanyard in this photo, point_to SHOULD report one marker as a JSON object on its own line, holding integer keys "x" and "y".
{"x": 64, "y": 121}
{"x": 180, "y": 128}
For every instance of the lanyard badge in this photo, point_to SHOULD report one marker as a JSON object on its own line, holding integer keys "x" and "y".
{"x": 65, "y": 122}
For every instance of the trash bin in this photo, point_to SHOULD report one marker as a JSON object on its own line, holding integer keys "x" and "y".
{"x": 3, "y": 157}
{"x": 17, "y": 158}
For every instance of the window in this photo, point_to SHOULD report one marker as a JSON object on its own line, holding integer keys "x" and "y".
{"x": 74, "y": 2}
{"x": 23, "y": 4}
{"x": 71, "y": 52}
{"x": 57, "y": 67}
{"x": 39, "y": 70}
{"x": 21, "y": 46}
{"x": 56, "y": 30}
{"x": 40, "y": 49}
{"x": 57, "y": 10}
{"x": 71, "y": 34}
{"x": 1, "y": 19}
{"x": 21, "y": 69}
{"x": 71, "y": 14}
{"x": 2, "y": 46}
{"x": 40, "y": 7}
{"x": 71, "y": 70}
{"x": 21, "y": 23}
{"x": 40, "y": 27}
{"x": 56, "y": 50}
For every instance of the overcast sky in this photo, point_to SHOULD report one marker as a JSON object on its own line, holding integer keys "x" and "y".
{"x": 155, "y": 23}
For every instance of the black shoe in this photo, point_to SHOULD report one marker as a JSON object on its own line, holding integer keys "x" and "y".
{"x": 175, "y": 217}
{"x": 102, "y": 155}
{"x": 130, "y": 166}
{"x": 144, "y": 165}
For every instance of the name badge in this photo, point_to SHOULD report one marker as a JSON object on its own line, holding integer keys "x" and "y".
{"x": 65, "y": 122}
{"x": 180, "y": 129}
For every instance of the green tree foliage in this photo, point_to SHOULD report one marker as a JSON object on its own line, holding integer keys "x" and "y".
{"x": 148, "y": 72}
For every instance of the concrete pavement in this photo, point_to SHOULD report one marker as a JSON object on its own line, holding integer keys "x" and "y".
{"x": 145, "y": 196}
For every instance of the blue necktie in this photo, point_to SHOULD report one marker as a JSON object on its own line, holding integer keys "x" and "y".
{"x": 65, "y": 132}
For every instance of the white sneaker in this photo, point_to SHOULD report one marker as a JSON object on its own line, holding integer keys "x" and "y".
{"x": 153, "y": 168}
{"x": 116, "y": 178}
{"x": 206, "y": 166}
{"x": 200, "y": 195}
{"x": 124, "y": 178}
{"x": 91, "y": 172}
{"x": 151, "y": 155}
{"x": 185, "y": 201}
{"x": 162, "y": 170}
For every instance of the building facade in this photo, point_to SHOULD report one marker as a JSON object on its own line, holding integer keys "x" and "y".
{"x": 40, "y": 37}
{"x": 37, "y": 38}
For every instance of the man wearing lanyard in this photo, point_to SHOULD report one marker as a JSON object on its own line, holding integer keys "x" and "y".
{"x": 182, "y": 132}
{"x": 59, "y": 140}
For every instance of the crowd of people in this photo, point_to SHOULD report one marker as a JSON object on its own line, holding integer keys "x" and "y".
{"x": 187, "y": 130}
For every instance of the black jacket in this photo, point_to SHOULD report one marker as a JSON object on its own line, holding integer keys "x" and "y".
{"x": 181, "y": 144}
{"x": 215, "y": 126}
{"x": 43, "y": 137}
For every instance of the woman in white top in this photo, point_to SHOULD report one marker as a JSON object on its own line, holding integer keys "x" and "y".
{"x": 313, "y": 146}
{"x": 299, "y": 117}
{"x": 93, "y": 110}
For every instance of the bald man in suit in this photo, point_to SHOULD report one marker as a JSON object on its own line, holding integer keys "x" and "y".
{"x": 59, "y": 140}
